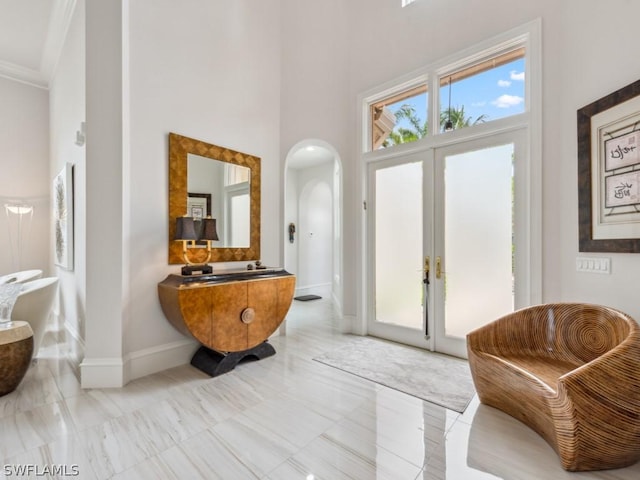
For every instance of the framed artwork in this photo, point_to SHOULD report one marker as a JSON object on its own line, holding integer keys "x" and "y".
{"x": 63, "y": 217}
{"x": 609, "y": 173}
{"x": 198, "y": 205}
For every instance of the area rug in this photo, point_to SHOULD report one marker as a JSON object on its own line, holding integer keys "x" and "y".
{"x": 436, "y": 378}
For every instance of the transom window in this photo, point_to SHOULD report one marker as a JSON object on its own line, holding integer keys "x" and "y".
{"x": 472, "y": 92}
{"x": 486, "y": 91}
{"x": 399, "y": 118}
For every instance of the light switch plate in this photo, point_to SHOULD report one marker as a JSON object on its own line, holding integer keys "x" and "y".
{"x": 593, "y": 264}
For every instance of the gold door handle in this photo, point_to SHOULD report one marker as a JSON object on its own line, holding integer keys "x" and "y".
{"x": 427, "y": 265}
{"x": 438, "y": 267}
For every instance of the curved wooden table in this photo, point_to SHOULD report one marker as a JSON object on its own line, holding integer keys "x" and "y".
{"x": 232, "y": 313}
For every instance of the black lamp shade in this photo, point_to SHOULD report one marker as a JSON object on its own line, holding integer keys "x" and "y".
{"x": 185, "y": 229}
{"x": 209, "y": 231}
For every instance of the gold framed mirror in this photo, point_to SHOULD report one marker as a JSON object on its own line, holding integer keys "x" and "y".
{"x": 231, "y": 180}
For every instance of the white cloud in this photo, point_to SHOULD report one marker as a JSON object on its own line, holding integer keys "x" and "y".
{"x": 504, "y": 83}
{"x": 478, "y": 104}
{"x": 507, "y": 101}
{"x": 519, "y": 76}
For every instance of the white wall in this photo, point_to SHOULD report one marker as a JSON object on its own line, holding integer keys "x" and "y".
{"x": 210, "y": 71}
{"x": 595, "y": 62}
{"x": 24, "y": 153}
{"x": 67, "y": 112}
{"x": 316, "y": 104}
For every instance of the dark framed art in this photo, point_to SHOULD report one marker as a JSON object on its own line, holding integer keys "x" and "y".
{"x": 609, "y": 172}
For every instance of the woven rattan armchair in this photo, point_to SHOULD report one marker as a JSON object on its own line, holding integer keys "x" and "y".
{"x": 571, "y": 372}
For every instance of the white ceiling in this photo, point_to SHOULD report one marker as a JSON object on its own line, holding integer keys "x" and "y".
{"x": 32, "y": 34}
{"x": 309, "y": 156}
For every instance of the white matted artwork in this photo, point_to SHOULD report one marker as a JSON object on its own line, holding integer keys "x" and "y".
{"x": 615, "y": 141}
{"x": 63, "y": 217}
{"x": 609, "y": 172}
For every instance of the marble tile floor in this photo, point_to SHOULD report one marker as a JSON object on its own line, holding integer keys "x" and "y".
{"x": 283, "y": 418}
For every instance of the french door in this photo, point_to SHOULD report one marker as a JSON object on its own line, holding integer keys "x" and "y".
{"x": 448, "y": 251}
{"x": 398, "y": 233}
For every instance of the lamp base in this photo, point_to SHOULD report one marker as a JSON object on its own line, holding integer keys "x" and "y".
{"x": 203, "y": 269}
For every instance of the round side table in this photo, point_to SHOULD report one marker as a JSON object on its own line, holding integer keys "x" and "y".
{"x": 16, "y": 350}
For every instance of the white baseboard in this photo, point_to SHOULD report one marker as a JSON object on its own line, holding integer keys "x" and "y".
{"x": 156, "y": 359}
{"x": 102, "y": 372}
{"x": 115, "y": 372}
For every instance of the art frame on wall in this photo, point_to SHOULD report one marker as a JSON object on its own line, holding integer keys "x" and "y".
{"x": 63, "y": 217}
{"x": 609, "y": 172}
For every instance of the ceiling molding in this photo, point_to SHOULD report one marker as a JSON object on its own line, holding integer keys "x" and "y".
{"x": 22, "y": 74}
{"x": 59, "y": 21}
{"x": 61, "y": 15}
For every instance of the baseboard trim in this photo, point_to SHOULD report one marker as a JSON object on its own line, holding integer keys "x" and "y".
{"x": 156, "y": 359}
{"x": 106, "y": 372}
{"x": 115, "y": 372}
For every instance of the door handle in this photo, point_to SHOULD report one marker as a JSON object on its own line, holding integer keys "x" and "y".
{"x": 438, "y": 267}
{"x": 427, "y": 269}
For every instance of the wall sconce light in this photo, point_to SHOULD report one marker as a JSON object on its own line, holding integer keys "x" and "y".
{"x": 23, "y": 212}
{"x": 448, "y": 126}
{"x": 189, "y": 231}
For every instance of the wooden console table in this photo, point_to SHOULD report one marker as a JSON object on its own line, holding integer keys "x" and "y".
{"x": 231, "y": 313}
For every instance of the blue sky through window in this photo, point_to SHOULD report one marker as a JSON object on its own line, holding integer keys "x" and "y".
{"x": 495, "y": 93}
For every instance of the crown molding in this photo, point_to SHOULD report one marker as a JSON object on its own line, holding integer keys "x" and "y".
{"x": 22, "y": 74}
{"x": 59, "y": 21}
{"x": 61, "y": 15}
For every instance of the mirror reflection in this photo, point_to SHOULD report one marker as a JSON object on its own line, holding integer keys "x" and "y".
{"x": 220, "y": 190}
{"x": 210, "y": 180}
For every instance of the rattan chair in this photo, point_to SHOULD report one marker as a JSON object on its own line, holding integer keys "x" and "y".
{"x": 571, "y": 372}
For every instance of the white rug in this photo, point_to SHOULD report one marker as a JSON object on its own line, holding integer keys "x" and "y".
{"x": 436, "y": 378}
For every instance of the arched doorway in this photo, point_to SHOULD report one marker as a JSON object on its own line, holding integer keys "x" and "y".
{"x": 313, "y": 205}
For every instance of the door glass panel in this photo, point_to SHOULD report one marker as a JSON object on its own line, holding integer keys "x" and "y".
{"x": 478, "y": 266}
{"x": 398, "y": 245}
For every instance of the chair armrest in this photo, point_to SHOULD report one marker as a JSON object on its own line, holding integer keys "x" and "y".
{"x": 611, "y": 380}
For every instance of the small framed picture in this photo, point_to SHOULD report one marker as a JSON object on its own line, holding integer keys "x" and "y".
{"x": 198, "y": 205}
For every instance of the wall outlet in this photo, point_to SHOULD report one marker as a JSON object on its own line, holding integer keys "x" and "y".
{"x": 593, "y": 264}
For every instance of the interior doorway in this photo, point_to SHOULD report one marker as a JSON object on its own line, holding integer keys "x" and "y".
{"x": 312, "y": 243}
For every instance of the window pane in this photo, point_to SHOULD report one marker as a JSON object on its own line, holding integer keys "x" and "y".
{"x": 484, "y": 92}
{"x": 400, "y": 118}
